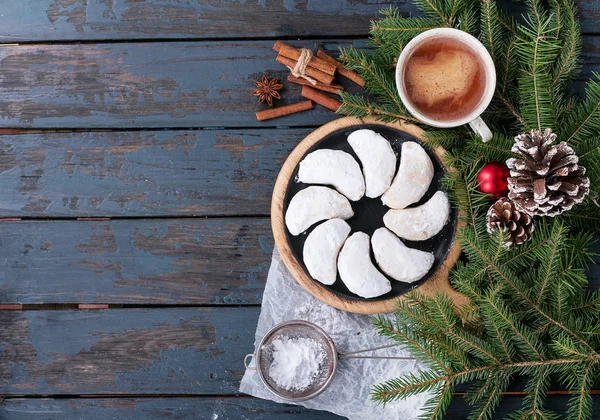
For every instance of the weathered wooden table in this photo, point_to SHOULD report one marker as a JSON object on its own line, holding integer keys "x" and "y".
{"x": 134, "y": 194}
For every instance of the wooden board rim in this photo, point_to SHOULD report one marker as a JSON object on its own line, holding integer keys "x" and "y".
{"x": 438, "y": 282}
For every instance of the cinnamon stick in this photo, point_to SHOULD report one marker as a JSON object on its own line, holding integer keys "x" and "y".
{"x": 320, "y": 98}
{"x": 327, "y": 88}
{"x": 268, "y": 114}
{"x": 315, "y": 62}
{"x": 318, "y": 75}
{"x": 352, "y": 75}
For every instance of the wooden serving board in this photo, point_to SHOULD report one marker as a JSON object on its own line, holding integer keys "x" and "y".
{"x": 438, "y": 282}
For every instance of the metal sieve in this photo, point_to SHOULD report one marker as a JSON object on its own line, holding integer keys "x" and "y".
{"x": 304, "y": 329}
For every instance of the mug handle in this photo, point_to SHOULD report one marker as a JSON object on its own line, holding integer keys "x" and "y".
{"x": 479, "y": 127}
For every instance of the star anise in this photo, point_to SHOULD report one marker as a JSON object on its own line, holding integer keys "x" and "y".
{"x": 267, "y": 90}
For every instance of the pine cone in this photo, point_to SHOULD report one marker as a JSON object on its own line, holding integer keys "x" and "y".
{"x": 503, "y": 216}
{"x": 548, "y": 180}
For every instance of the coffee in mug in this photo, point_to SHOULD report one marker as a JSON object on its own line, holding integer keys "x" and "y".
{"x": 444, "y": 79}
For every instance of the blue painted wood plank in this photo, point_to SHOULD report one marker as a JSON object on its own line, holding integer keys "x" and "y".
{"x": 174, "y": 261}
{"x": 213, "y": 408}
{"x": 157, "y": 173}
{"x": 59, "y": 20}
{"x": 183, "y": 84}
{"x": 459, "y": 409}
{"x": 189, "y": 408}
{"x": 135, "y": 351}
{"x": 158, "y": 261}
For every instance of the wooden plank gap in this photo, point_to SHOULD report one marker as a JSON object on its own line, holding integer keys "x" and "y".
{"x": 524, "y": 393}
{"x": 10, "y": 219}
{"x": 93, "y": 219}
{"x": 11, "y": 131}
{"x": 11, "y": 307}
{"x": 93, "y": 306}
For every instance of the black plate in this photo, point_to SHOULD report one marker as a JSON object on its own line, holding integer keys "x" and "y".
{"x": 368, "y": 212}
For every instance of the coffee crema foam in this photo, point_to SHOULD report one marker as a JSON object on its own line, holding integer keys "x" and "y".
{"x": 444, "y": 79}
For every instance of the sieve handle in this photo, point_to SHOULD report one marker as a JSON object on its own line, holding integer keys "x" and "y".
{"x": 246, "y": 363}
{"x": 343, "y": 356}
{"x": 348, "y": 354}
{"x": 352, "y": 355}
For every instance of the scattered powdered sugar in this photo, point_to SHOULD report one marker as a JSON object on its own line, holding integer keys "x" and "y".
{"x": 297, "y": 362}
{"x": 349, "y": 394}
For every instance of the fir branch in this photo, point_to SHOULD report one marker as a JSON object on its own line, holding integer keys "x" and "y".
{"x": 470, "y": 343}
{"x": 536, "y": 389}
{"x": 551, "y": 263}
{"x": 387, "y": 52}
{"x": 585, "y": 119}
{"x": 406, "y": 386}
{"x": 584, "y": 216}
{"x": 589, "y": 157}
{"x": 454, "y": 10}
{"x": 468, "y": 20}
{"x": 379, "y": 82}
{"x": 487, "y": 396}
{"x": 508, "y": 63}
{"x": 485, "y": 411}
{"x": 456, "y": 356}
{"x": 593, "y": 303}
{"x": 391, "y": 12}
{"x": 567, "y": 350}
{"x": 504, "y": 343}
{"x": 490, "y": 32}
{"x": 459, "y": 359}
{"x": 435, "y": 407}
{"x": 567, "y": 63}
{"x": 509, "y": 279}
{"x": 508, "y": 320}
{"x": 473, "y": 204}
{"x": 436, "y": 9}
{"x": 412, "y": 384}
{"x": 401, "y": 29}
{"x": 536, "y": 8}
{"x": 496, "y": 150}
{"x": 556, "y": 10}
{"x": 580, "y": 405}
{"x": 507, "y": 22}
{"x": 565, "y": 106}
{"x": 385, "y": 327}
{"x": 522, "y": 258}
{"x": 448, "y": 139}
{"x": 358, "y": 106}
{"x": 469, "y": 288}
{"x": 511, "y": 108}
{"x": 538, "y": 50}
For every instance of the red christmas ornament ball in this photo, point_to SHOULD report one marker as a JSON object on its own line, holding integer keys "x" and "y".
{"x": 493, "y": 179}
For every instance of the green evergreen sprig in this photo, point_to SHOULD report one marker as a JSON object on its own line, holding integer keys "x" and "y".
{"x": 530, "y": 325}
{"x": 530, "y": 313}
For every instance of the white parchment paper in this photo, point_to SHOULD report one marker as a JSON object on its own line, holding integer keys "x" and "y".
{"x": 349, "y": 393}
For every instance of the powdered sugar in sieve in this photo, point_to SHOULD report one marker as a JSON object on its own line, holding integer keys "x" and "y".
{"x": 297, "y": 360}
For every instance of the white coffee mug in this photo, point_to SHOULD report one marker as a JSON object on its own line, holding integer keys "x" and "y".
{"x": 473, "y": 119}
